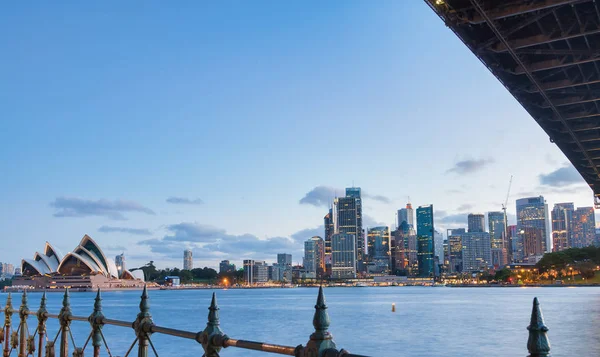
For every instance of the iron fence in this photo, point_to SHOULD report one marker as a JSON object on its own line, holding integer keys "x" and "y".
{"x": 212, "y": 339}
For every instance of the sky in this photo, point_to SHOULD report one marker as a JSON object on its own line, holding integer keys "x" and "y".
{"x": 228, "y": 127}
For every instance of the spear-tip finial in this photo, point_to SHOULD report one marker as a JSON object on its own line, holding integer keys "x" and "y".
{"x": 43, "y": 301}
{"x": 213, "y": 311}
{"x": 144, "y": 303}
{"x": 538, "y": 343}
{"x": 321, "y": 317}
{"x": 98, "y": 301}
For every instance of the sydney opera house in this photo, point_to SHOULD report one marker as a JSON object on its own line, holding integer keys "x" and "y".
{"x": 84, "y": 268}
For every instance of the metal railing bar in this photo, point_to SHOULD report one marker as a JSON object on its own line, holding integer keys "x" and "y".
{"x": 173, "y": 332}
{"x": 260, "y": 346}
{"x": 131, "y": 347}
{"x": 152, "y": 345}
{"x": 106, "y": 321}
{"x": 105, "y": 344}
{"x": 88, "y": 340}
{"x": 57, "y": 334}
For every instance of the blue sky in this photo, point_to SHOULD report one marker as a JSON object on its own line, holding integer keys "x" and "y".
{"x": 155, "y": 128}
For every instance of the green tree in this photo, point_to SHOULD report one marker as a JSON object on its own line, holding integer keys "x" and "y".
{"x": 503, "y": 275}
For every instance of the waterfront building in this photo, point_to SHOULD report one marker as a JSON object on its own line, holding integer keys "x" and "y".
{"x": 476, "y": 253}
{"x": 378, "y": 248}
{"x": 476, "y": 222}
{"x": 516, "y": 244}
{"x": 284, "y": 259}
{"x": 120, "y": 263}
{"x": 248, "y": 271}
{"x": 188, "y": 261}
{"x": 532, "y": 212}
{"x": 226, "y": 267}
{"x": 584, "y": 228}
{"x": 455, "y": 250}
{"x": 533, "y": 246}
{"x": 343, "y": 256}
{"x": 406, "y": 215}
{"x": 7, "y": 270}
{"x": 425, "y": 229}
{"x": 438, "y": 246}
{"x": 348, "y": 220}
{"x": 314, "y": 256}
{"x": 498, "y": 239}
{"x": 260, "y": 273}
{"x": 84, "y": 267}
{"x": 329, "y": 224}
{"x": 562, "y": 216}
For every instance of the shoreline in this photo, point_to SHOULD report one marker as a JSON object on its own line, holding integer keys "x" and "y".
{"x": 155, "y": 288}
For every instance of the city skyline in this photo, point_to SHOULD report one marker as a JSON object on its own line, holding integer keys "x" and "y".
{"x": 152, "y": 147}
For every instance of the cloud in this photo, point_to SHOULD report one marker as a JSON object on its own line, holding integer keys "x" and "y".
{"x": 307, "y": 233}
{"x": 136, "y": 231}
{"x": 184, "y": 201}
{"x": 566, "y": 175}
{"x": 369, "y": 221}
{"x": 193, "y": 232}
{"x": 380, "y": 198}
{"x": 443, "y": 218}
{"x": 114, "y": 248}
{"x": 550, "y": 190}
{"x": 79, "y": 207}
{"x": 209, "y": 242}
{"x": 465, "y": 207}
{"x": 469, "y": 166}
{"x": 320, "y": 196}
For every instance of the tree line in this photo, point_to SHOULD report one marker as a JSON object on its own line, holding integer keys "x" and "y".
{"x": 207, "y": 275}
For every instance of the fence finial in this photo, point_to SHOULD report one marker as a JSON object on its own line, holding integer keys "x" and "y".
{"x": 65, "y": 323}
{"x": 96, "y": 322}
{"x": 143, "y": 324}
{"x": 212, "y": 338}
{"x": 538, "y": 344}
{"x": 321, "y": 341}
{"x": 144, "y": 304}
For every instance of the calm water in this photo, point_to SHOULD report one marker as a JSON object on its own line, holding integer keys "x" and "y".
{"x": 427, "y": 321}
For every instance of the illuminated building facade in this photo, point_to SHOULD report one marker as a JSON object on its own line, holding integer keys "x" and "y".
{"x": 532, "y": 212}
{"x": 476, "y": 222}
{"x": 562, "y": 217}
{"x": 343, "y": 256}
{"x": 476, "y": 254}
{"x": 425, "y": 246}
{"x": 314, "y": 256}
{"x": 378, "y": 247}
{"x": 583, "y": 228}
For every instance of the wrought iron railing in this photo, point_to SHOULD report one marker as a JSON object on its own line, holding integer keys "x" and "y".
{"x": 212, "y": 339}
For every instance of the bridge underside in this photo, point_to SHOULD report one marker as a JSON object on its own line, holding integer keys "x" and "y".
{"x": 547, "y": 54}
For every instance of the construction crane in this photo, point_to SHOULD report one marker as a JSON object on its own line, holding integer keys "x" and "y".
{"x": 504, "y": 207}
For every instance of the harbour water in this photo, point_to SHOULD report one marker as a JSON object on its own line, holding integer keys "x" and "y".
{"x": 427, "y": 322}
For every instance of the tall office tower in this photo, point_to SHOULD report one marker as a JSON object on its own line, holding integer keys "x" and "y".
{"x": 284, "y": 259}
{"x": 343, "y": 256}
{"x": 497, "y": 238}
{"x": 476, "y": 222}
{"x": 260, "y": 272}
{"x": 533, "y": 247}
{"x": 249, "y": 271}
{"x": 532, "y": 212}
{"x": 378, "y": 241}
{"x": 120, "y": 263}
{"x": 455, "y": 250}
{"x": 329, "y": 224}
{"x": 562, "y": 216}
{"x": 584, "y": 228}
{"x": 476, "y": 253}
{"x": 406, "y": 215}
{"x": 188, "y": 261}
{"x": 425, "y": 247}
{"x": 496, "y": 226}
{"x": 438, "y": 246}
{"x": 349, "y": 221}
{"x": 226, "y": 267}
{"x": 516, "y": 245}
{"x": 314, "y": 256}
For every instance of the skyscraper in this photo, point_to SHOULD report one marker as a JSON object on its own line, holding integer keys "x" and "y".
{"x": 562, "y": 216}
{"x": 249, "y": 271}
{"x": 496, "y": 226}
{"x": 533, "y": 244}
{"x": 188, "y": 262}
{"x": 284, "y": 259}
{"x": 226, "y": 267}
{"x": 406, "y": 215}
{"x": 329, "y": 224}
{"x": 378, "y": 240}
{"x": 343, "y": 256}
{"x": 314, "y": 256}
{"x": 120, "y": 263}
{"x": 349, "y": 221}
{"x": 476, "y": 222}
{"x": 497, "y": 238}
{"x": 532, "y": 212}
{"x": 476, "y": 253}
{"x": 584, "y": 227}
{"x": 455, "y": 250}
{"x": 425, "y": 246}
